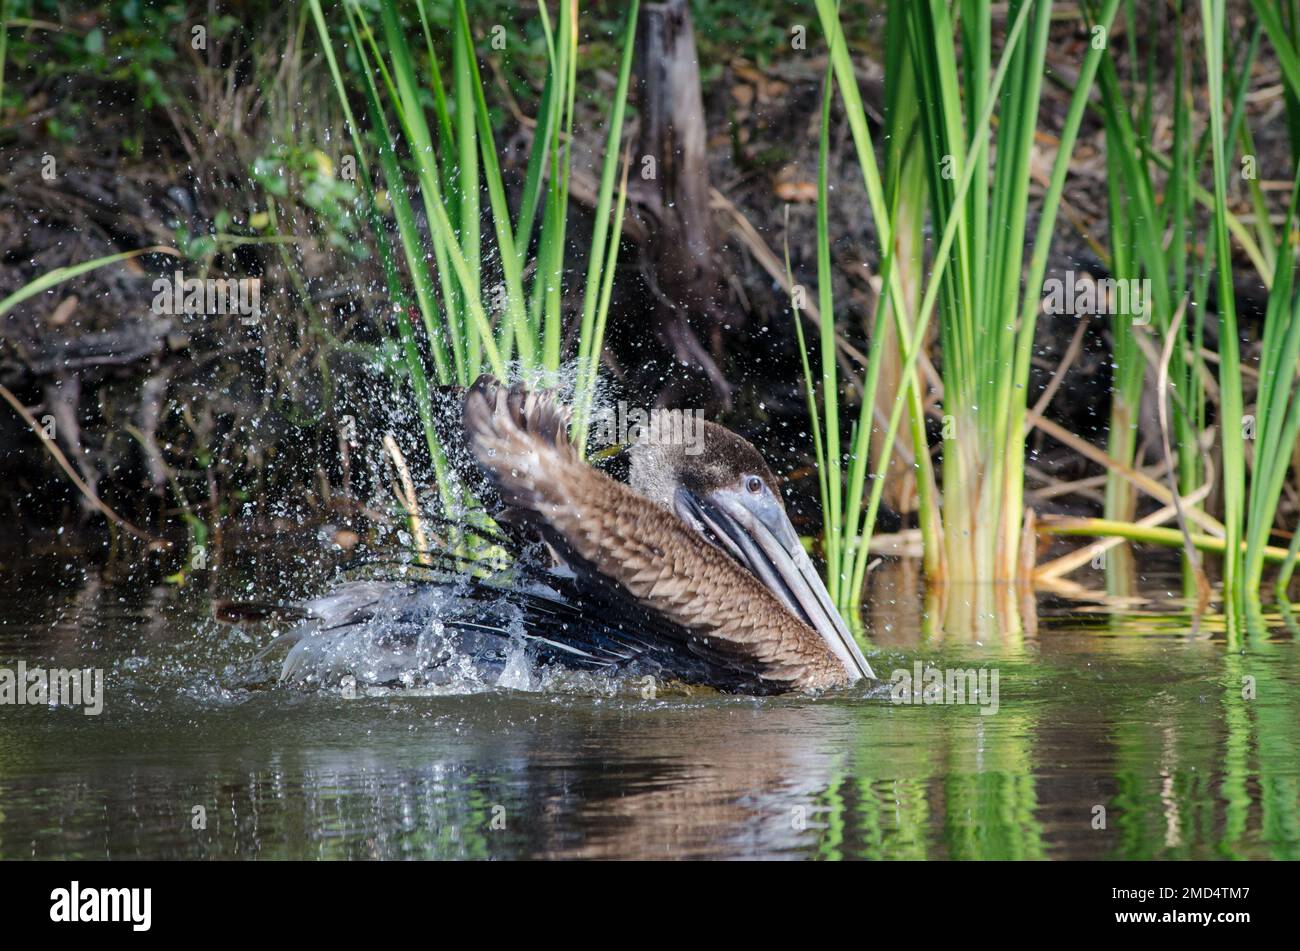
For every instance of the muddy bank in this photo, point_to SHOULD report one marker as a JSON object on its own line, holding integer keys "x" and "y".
{"x": 200, "y": 427}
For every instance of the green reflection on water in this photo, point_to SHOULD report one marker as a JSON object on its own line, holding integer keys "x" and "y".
{"x": 1142, "y": 713}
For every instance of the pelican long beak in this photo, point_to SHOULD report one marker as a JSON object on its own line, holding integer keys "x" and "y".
{"x": 758, "y": 534}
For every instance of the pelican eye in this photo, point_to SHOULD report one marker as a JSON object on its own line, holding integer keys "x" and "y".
{"x": 754, "y": 484}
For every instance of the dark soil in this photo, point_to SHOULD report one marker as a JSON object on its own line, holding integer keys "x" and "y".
{"x": 240, "y": 426}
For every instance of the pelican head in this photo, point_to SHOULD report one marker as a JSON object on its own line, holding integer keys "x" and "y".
{"x": 721, "y": 487}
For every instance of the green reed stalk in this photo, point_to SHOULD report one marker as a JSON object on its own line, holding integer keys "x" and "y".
{"x": 856, "y": 525}
{"x": 832, "y": 501}
{"x": 1001, "y": 496}
{"x": 1230, "y": 393}
{"x": 594, "y": 344}
{"x": 1139, "y": 225}
{"x": 604, "y": 252}
{"x": 406, "y": 334}
{"x": 939, "y": 69}
{"x": 1277, "y": 404}
{"x": 1277, "y": 410}
{"x": 563, "y": 51}
{"x": 911, "y": 337}
{"x": 4, "y": 46}
{"x": 1150, "y": 534}
{"x": 406, "y": 104}
{"x": 440, "y": 335}
{"x": 449, "y": 161}
{"x": 1135, "y": 254}
{"x": 56, "y": 276}
{"x": 832, "y": 531}
{"x": 983, "y": 482}
{"x": 515, "y": 333}
{"x": 905, "y": 193}
{"x": 468, "y": 89}
{"x": 1038, "y": 261}
{"x": 1128, "y": 363}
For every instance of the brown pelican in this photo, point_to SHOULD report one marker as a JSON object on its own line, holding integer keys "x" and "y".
{"x": 691, "y": 572}
{"x": 702, "y": 540}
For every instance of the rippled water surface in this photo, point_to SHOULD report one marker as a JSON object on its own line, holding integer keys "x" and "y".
{"x": 1135, "y": 721}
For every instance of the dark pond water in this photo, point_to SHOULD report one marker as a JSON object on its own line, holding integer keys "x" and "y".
{"x": 1139, "y": 714}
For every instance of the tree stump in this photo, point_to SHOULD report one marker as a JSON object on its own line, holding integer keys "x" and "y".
{"x": 674, "y": 192}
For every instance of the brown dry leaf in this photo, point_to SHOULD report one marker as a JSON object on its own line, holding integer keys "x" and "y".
{"x": 743, "y": 94}
{"x": 346, "y": 539}
{"x": 796, "y": 193}
{"x": 60, "y": 315}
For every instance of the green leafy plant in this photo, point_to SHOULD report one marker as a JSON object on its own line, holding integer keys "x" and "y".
{"x": 433, "y": 136}
{"x": 320, "y": 187}
{"x": 988, "y": 309}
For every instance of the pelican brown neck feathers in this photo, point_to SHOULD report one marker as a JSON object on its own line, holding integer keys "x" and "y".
{"x": 702, "y": 540}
